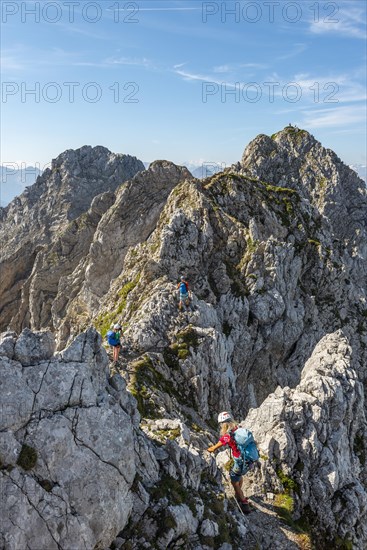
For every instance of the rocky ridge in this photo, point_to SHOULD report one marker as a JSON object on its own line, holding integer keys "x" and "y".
{"x": 275, "y": 250}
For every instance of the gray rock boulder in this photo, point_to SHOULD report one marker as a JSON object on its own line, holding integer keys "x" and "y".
{"x": 66, "y": 447}
{"x": 315, "y": 435}
{"x": 31, "y": 348}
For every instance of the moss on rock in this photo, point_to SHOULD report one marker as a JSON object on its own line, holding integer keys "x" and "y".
{"x": 288, "y": 483}
{"x": 27, "y": 458}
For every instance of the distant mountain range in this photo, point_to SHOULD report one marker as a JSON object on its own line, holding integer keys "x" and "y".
{"x": 361, "y": 170}
{"x": 13, "y": 180}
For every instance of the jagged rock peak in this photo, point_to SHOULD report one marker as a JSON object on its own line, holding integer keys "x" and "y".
{"x": 296, "y": 141}
{"x": 81, "y": 174}
{"x": 89, "y": 158}
{"x": 163, "y": 166}
{"x": 45, "y": 211}
{"x": 293, "y": 158}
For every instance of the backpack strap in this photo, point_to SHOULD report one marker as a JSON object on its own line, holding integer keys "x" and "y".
{"x": 231, "y": 433}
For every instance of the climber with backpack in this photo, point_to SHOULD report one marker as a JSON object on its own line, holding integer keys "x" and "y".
{"x": 183, "y": 287}
{"x": 244, "y": 454}
{"x": 113, "y": 338}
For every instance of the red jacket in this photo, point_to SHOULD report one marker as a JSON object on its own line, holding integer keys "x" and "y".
{"x": 226, "y": 439}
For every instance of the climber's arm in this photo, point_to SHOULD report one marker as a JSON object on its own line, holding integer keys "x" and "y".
{"x": 215, "y": 447}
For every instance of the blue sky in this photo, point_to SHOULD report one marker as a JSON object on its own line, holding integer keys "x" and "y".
{"x": 179, "y": 79}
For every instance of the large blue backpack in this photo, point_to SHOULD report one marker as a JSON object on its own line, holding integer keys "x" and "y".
{"x": 183, "y": 288}
{"x": 111, "y": 338}
{"x": 246, "y": 444}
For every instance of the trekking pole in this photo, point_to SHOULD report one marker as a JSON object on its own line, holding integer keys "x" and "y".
{"x": 258, "y": 543}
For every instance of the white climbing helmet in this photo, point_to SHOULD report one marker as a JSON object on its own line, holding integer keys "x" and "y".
{"x": 117, "y": 326}
{"x": 224, "y": 417}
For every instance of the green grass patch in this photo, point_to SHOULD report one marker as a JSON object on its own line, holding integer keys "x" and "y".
{"x": 164, "y": 435}
{"x": 142, "y": 382}
{"x": 284, "y": 505}
{"x": 276, "y": 189}
{"x": 343, "y": 543}
{"x": 186, "y": 339}
{"x": 189, "y": 337}
{"x": 146, "y": 381}
{"x": 288, "y": 483}
{"x": 314, "y": 242}
{"x": 104, "y": 321}
{"x": 214, "y": 510}
{"x": 124, "y": 292}
{"x": 238, "y": 284}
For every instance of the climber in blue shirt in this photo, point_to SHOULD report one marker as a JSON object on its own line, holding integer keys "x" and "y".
{"x": 113, "y": 338}
{"x": 183, "y": 286}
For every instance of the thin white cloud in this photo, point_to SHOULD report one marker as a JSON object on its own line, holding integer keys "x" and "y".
{"x": 89, "y": 31}
{"x": 118, "y": 61}
{"x": 23, "y": 58}
{"x": 344, "y": 88}
{"x": 137, "y": 10}
{"x": 218, "y": 70}
{"x": 232, "y": 67}
{"x": 297, "y": 50}
{"x": 253, "y": 65}
{"x": 222, "y": 69}
{"x": 334, "y": 117}
{"x": 11, "y": 63}
{"x": 348, "y": 19}
{"x": 142, "y": 62}
{"x": 196, "y": 76}
{"x": 333, "y": 89}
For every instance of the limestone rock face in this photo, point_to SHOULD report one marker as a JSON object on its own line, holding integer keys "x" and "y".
{"x": 315, "y": 434}
{"x": 293, "y": 158}
{"x": 269, "y": 278}
{"x": 33, "y": 221}
{"x": 76, "y": 469}
{"x": 275, "y": 251}
{"x": 31, "y": 348}
{"x": 66, "y": 447}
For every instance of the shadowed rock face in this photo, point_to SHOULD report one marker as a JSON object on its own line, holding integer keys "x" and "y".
{"x": 275, "y": 252}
